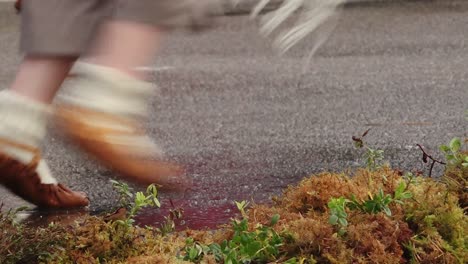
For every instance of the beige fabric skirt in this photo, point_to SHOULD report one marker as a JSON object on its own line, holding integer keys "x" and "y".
{"x": 66, "y": 27}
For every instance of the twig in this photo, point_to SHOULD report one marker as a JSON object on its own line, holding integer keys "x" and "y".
{"x": 358, "y": 141}
{"x": 426, "y": 156}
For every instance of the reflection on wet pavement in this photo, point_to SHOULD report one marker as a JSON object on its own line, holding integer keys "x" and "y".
{"x": 192, "y": 217}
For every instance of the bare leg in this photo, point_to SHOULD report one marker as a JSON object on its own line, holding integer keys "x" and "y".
{"x": 123, "y": 46}
{"x": 39, "y": 78}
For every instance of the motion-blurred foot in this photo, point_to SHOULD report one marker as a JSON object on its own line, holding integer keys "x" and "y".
{"x": 99, "y": 115}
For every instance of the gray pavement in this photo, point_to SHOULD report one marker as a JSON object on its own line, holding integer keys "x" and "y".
{"x": 246, "y": 122}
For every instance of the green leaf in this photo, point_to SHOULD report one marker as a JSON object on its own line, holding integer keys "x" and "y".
{"x": 189, "y": 241}
{"x": 252, "y": 248}
{"x": 241, "y": 205}
{"x": 343, "y": 222}
{"x": 444, "y": 148}
{"x": 399, "y": 190}
{"x": 217, "y": 251}
{"x": 291, "y": 261}
{"x": 333, "y": 220}
{"x": 450, "y": 157}
{"x": 455, "y": 144}
{"x": 120, "y": 222}
{"x": 342, "y": 232}
{"x": 342, "y": 214}
{"x": 156, "y": 202}
{"x": 274, "y": 219}
{"x": 406, "y": 195}
{"x": 193, "y": 253}
{"x": 140, "y": 197}
{"x": 229, "y": 260}
{"x": 152, "y": 189}
{"x": 387, "y": 211}
{"x": 215, "y": 247}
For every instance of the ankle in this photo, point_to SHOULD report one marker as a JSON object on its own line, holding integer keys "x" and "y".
{"x": 22, "y": 119}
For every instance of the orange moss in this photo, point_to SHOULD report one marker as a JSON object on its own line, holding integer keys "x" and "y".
{"x": 378, "y": 237}
{"x": 262, "y": 214}
{"x": 317, "y": 238}
{"x": 161, "y": 259}
{"x": 385, "y": 179}
{"x": 369, "y": 238}
{"x": 315, "y": 192}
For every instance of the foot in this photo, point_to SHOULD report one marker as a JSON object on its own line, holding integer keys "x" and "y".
{"x": 25, "y": 181}
{"x": 121, "y": 144}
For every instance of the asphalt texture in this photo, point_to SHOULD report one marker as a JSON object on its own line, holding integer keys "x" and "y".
{"x": 246, "y": 122}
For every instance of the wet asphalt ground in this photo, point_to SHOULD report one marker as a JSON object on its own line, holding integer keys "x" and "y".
{"x": 246, "y": 122}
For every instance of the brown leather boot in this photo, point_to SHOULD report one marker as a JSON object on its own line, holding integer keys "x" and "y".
{"x": 130, "y": 160}
{"x": 23, "y": 180}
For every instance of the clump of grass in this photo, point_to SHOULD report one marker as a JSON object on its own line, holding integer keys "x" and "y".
{"x": 374, "y": 158}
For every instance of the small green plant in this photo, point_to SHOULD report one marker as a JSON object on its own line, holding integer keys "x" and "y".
{"x": 194, "y": 251}
{"x": 135, "y": 202}
{"x": 374, "y": 204}
{"x": 402, "y": 193}
{"x": 453, "y": 153}
{"x": 380, "y": 202}
{"x": 260, "y": 245}
{"x": 169, "y": 225}
{"x": 125, "y": 193}
{"x": 338, "y": 215}
{"x": 377, "y": 203}
{"x": 374, "y": 158}
{"x": 410, "y": 179}
{"x": 241, "y": 206}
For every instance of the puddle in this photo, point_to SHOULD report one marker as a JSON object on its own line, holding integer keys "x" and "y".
{"x": 193, "y": 217}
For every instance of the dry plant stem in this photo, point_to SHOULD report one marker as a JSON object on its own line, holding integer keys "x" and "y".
{"x": 434, "y": 161}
